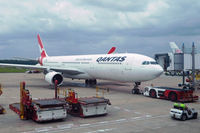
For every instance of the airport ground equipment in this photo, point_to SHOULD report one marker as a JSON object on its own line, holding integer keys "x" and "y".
{"x": 2, "y": 110}
{"x": 136, "y": 89}
{"x": 182, "y": 112}
{"x": 173, "y": 94}
{"x": 38, "y": 110}
{"x": 86, "y": 106}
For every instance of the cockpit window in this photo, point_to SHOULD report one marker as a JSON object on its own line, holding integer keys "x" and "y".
{"x": 149, "y": 62}
{"x": 144, "y": 63}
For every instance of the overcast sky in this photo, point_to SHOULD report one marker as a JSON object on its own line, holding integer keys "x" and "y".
{"x": 94, "y": 26}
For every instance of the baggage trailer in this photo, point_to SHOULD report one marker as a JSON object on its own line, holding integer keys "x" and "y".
{"x": 38, "y": 110}
{"x": 87, "y": 106}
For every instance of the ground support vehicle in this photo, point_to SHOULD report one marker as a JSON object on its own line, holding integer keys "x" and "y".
{"x": 2, "y": 110}
{"x": 87, "y": 106}
{"x": 182, "y": 112}
{"x": 39, "y": 110}
{"x": 173, "y": 94}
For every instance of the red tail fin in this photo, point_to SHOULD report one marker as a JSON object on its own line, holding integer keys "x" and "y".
{"x": 42, "y": 50}
{"x": 112, "y": 50}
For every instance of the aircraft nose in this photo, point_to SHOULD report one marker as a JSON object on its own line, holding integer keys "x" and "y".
{"x": 159, "y": 71}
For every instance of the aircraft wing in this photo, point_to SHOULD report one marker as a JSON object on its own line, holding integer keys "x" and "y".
{"x": 70, "y": 71}
{"x": 23, "y": 66}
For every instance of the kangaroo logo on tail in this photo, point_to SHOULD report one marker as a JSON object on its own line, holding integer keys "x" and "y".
{"x": 43, "y": 53}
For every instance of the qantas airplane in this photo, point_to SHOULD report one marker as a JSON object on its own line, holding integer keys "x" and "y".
{"x": 123, "y": 67}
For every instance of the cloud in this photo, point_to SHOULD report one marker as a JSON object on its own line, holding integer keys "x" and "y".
{"x": 86, "y": 27}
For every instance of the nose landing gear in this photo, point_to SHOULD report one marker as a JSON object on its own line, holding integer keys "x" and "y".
{"x": 136, "y": 89}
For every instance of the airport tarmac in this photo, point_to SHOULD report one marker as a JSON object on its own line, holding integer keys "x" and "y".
{"x": 128, "y": 113}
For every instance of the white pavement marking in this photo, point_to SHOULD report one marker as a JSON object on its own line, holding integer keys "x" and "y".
{"x": 120, "y": 120}
{"x": 100, "y": 130}
{"x": 137, "y": 112}
{"x": 116, "y": 107}
{"x": 97, "y": 124}
{"x": 83, "y": 125}
{"x": 65, "y": 126}
{"x": 134, "y": 118}
{"x": 43, "y": 129}
{"x": 103, "y": 122}
{"x": 148, "y": 116}
{"x": 127, "y": 110}
{"x": 156, "y": 127}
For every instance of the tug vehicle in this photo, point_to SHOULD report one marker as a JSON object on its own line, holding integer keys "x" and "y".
{"x": 173, "y": 94}
{"x": 182, "y": 112}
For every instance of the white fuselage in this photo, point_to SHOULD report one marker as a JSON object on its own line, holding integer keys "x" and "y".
{"x": 117, "y": 67}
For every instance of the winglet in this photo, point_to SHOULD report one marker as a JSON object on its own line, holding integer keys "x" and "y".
{"x": 111, "y": 50}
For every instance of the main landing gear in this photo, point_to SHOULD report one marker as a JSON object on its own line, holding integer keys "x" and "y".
{"x": 136, "y": 89}
{"x": 89, "y": 82}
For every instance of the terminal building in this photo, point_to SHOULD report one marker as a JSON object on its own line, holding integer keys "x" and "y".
{"x": 185, "y": 62}
{"x": 179, "y": 60}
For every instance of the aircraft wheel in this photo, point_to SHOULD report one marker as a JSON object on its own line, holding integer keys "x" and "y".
{"x": 90, "y": 82}
{"x": 86, "y": 82}
{"x": 94, "y": 82}
{"x": 135, "y": 91}
{"x": 195, "y": 116}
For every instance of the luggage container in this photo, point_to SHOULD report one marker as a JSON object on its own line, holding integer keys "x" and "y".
{"x": 87, "y": 106}
{"x": 39, "y": 110}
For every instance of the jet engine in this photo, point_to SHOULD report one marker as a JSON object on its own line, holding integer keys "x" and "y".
{"x": 51, "y": 77}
